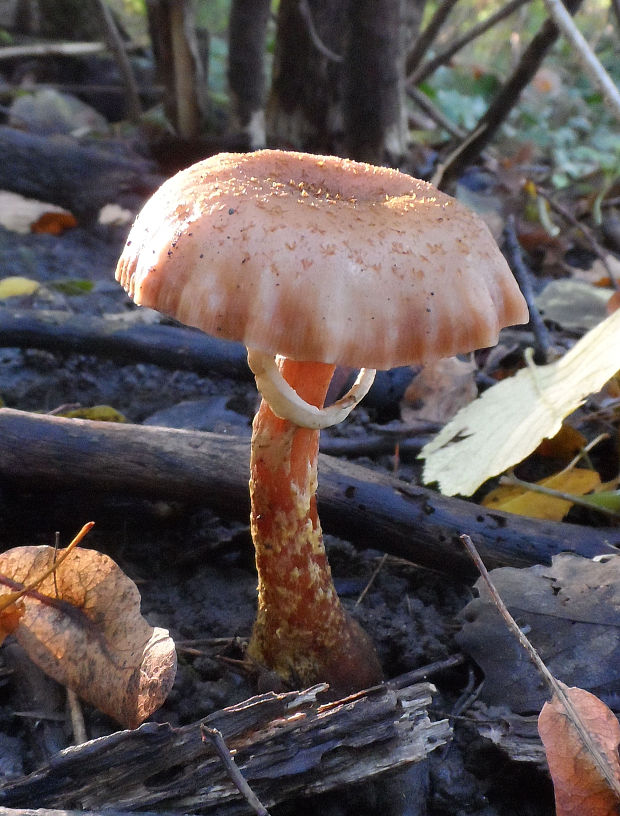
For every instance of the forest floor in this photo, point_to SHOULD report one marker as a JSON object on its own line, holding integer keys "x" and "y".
{"x": 195, "y": 570}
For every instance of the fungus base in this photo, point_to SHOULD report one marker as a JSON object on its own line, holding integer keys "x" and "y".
{"x": 301, "y": 631}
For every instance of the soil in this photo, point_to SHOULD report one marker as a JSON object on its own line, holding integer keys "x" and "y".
{"x": 195, "y": 572}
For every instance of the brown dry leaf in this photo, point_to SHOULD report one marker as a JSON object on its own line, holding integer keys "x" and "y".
{"x": 571, "y": 612}
{"x": 522, "y": 502}
{"x": 440, "y": 390}
{"x": 54, "y": 223}
{"x": 565, "y": 445}
{"x": 579, "y": 785}
{"x": 10, "y": 617}
{"x": 83, "y": 627}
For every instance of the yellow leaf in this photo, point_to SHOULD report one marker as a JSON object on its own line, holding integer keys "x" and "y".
{"x": 102, "y": 413}
{"x": 508, "y": 421}
{"x": 15, "y": 285}
{"x": 522, "y": 502}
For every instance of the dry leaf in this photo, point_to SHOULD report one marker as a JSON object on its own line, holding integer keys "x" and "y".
{"x": 571, "y": 613}
{"x": 523, "y": 502}
{"x": 580, "y": 788}
{"x": 18, "y": 213}
{"x": 564, "y": 446}
{"x": 439, "y": 390}
{"x": 17, "y": 286}
{"x": 508, "y": 421}
{"x": 83, "y": 627}
{"x": 573, "y": 304}
{"x": 10, "y": 618}
{"x": 53, "y": 223}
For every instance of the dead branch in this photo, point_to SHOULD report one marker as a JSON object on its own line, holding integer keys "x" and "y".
{"x": 418, "y": 75}
{"x": 588, "y": 59}
{"x": 428, "y": 36}
{"x": 118, "y": 49}
{"x": 505, "y": 100}
{"x": 59, "y": 49}
{"x": 369, "y": 509}
{"x": 175, "y": 347}
{"x": 285, "y": 745}
{"x": 135, "y": 341}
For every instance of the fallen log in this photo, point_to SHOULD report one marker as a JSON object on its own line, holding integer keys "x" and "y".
{"x": 173, "y": 347}
{"x": 285, "y": 745}
{"x": 370, "y": 509}
{"x": 62, "y": 170}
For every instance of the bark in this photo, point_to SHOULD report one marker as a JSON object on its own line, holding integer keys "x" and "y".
{"x": 181, "y": 61}
{"x": 246, "y": 66}
{"x": 285, "y": 745}
{"x": 304, "y": 108}
{"x": 369, "y": 509}
{"x": 373, "y": 82}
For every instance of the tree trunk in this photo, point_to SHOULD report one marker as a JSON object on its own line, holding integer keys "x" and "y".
{"x": 181, "y": 63}
{"x": 374, "y": 82}
{"x": 304, "y": 109}
{"x": 246, "y": 67}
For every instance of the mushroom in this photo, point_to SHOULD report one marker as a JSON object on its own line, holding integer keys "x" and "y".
{"x": 314, "y": 262}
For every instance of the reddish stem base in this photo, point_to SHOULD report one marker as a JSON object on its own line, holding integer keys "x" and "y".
{"x": 301, "y": 631}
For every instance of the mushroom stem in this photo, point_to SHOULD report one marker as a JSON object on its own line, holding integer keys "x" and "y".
{"x": 302, "y": 631}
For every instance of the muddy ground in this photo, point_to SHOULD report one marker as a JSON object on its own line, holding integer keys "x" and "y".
{"x": 195, "y": 572}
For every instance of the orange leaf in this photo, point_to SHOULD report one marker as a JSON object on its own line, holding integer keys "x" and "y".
{"x": 566, "y": 444}
{"x": 578, "y": 781}
{"x": 54, "y": 223}
{"x": 10, "y": 618}
{"x": 83, "y": 627}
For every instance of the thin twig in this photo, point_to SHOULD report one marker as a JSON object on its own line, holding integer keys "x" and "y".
{"x": 590, "y": 62}
{"x": 371, "y": 580}
{"x": 522, "y": 274}
{"x": 236, "y": 777}
{"x": 427, "y": 37}
{"x": 428, "y": 68}
{"x": 306, "y": 15}
{"x": 510, "y": 479}
{"x": 554, "y": 685}
{"x": 432, "y": 111}
{"x": 76, "y": 715}
{"x": 583, "y": 228}
{"x": 117, "y": 47}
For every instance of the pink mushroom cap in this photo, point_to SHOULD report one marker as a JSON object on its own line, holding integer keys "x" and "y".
{"x": 320, "y": 258}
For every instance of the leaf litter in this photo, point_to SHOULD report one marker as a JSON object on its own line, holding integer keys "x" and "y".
{"x": 79, "y": 620}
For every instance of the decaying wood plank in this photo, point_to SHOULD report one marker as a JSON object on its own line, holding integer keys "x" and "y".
{"x": 516, "y": 734}
{"x": 367, "y": 508}
{"x": 284, "y": 744}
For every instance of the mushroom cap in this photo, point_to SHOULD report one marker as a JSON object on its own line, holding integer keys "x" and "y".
{"x": 320, "y": 258}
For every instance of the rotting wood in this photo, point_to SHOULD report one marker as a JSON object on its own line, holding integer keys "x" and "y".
{"x": 370, "y": 509}
{"x": 284, "y": 744}
{"x": 4, "y": 811}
